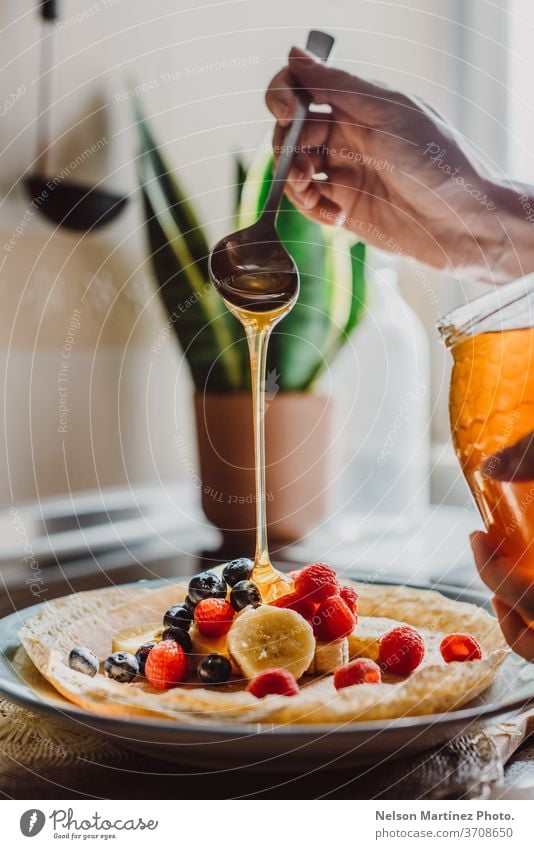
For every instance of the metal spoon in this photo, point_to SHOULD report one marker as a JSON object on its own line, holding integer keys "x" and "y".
{"x": 251, "y": 269}
{"x": 68, "y": 204}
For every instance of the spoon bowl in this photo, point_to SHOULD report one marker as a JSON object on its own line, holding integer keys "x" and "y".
{"x": 252, "y": 270}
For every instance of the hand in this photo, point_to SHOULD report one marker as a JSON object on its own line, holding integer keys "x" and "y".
{"x": 398, "y": 175}
{"x": 514, "y": 463}
{"x": 513, "y": 587}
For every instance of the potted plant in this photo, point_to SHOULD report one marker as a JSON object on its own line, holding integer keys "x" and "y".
{"x": 297, "y": 420}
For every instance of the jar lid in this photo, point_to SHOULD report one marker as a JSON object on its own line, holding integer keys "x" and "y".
{"x": 509, "y": 307}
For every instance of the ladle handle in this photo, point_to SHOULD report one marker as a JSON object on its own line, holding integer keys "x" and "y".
{"x": 49, "y": 10}
{"x": 321, "y": 45}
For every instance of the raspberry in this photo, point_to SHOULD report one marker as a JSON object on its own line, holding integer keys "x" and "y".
{"x": 213, "y": 616}
{"x": 401, "y": 650}
{"x": 279, "y": 682}
{"x": 350, "y": 597}
{"x": 166, "y": 665}
{"x": 460, "y": 647}
{"x": 361, "y": 671}
{"x": 316, "y": 582}
{"x": 333, "y": 620}
{"x": 304, "y": 606}
{"x": 293, "y": 575}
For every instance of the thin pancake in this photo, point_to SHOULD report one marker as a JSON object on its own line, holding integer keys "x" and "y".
{"x": 92, "y": 618}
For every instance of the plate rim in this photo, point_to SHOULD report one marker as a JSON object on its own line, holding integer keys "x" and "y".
{"x": 19, "y": 692}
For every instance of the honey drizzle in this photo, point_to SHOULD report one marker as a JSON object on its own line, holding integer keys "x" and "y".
{"x": 258, "y": 327}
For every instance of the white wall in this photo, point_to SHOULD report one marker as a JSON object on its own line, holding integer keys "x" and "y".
{"x": 204, "y": 67}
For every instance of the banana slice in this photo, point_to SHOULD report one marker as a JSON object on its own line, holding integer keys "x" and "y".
{"x": 202, "y": 646}
{"x": 363, "y": 642}
{"x": 129, "y": 639}
{"x": 265, "y": 637}
{"x": 329, "y": 657}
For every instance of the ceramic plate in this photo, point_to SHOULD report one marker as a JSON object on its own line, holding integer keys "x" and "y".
{"x": 268, "y": 747}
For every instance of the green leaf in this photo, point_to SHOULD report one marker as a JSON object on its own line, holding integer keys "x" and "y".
{"x": 307, "y": 339}
{"x": 178, "y": 205}
{"x": 240, "y": 177}
{"x": 211, "y": 338}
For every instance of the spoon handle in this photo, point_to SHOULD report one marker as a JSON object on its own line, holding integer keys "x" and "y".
{"x": 321, "y": 45}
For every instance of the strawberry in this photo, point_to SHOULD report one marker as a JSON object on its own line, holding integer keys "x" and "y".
{"x": 350, "y": 597}
{"x": 460, "y": 647}
{"x": 166, "y": 665}
{"x": 316, "y": 582}
{"x": 401, "y": 650}
{"x": 213, "y": 616}
{"x": 360, "y": 671}
{"x": 304, "y": 606}
{"x": 333, "y": 620}
{"x": 278, "y": 682}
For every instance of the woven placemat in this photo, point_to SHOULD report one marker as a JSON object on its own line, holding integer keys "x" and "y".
{"x": 42, "y": 760}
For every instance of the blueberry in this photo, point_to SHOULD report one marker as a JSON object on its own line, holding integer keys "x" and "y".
{"x": 142, "y": 654}
{"x": 84, "y": 660}
{"x": 121, "y": 666}
{"x": 206, "y": 585}
{"x": 178, "y": 616}
{"x": 181, "y": 637}
{"x": 214, "y": 669}
{"x": 245, "y": 593}
{"x": 238, "y": 570}
{"x": 189, "y": 603}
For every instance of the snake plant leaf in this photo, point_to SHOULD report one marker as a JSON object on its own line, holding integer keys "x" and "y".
{"x": 178, "y": 204}
{"x": 240, "y": 177}
{"x": 210, "y": 337}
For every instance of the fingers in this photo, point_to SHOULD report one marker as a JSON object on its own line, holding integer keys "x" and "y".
{"x": 512, "y": 583}
{"x": 518, "y": 635}
{"x": 326, "y": 84}
{"x": 515, "y": 463}
{"x": 280, "y": 97}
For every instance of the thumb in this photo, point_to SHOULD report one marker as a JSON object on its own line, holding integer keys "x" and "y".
{"x": 326, "y": 84}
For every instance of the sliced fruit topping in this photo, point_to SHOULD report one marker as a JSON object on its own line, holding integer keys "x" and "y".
{"x": 329, "y": 656}
{"x": 178, "y": 616}
{"x": 266, "y": 637}
{"x": 271, "y": 682}
{"x": 292, "y": 601}
{"x": 166, "y": 665}
{"x": 84, "y": 660}
{"x": 129, "y": 639}
{"x": 401, "y": 650}
{"x": 206, "y": 585}
{"x": 316, "y": 582}
{"x": 460, "y": 647}
{"x": 350, "y": 597}
{"x": 142, "y": 654}
{"x": 214, "y": 669}
{"x": 361, "y": 671}
{"x": 245, "y": 594}
{"x": 181, "y": 637}
{"x": 121, "y": 666}
{"x": 238, "y": 570}
{"x": 333, "y": 620}
{"x": 364, "y": 640}
{"x": 213, "y": 617}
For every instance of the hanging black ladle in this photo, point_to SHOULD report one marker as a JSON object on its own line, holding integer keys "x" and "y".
{"x": 68, "y": 204}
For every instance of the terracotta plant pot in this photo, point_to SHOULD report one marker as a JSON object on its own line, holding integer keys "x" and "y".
{"x": 297, "y": 443}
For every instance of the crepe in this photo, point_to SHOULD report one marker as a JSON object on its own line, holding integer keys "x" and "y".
{"x": 92, "y": 618}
